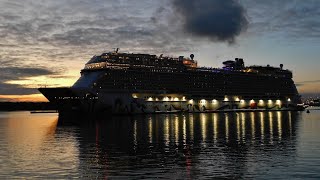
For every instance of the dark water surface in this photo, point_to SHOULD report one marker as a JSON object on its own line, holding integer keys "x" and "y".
{"x": 265, "y": 145}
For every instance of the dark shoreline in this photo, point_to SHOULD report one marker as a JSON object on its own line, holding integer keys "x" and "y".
{"x": 27, "y": 106}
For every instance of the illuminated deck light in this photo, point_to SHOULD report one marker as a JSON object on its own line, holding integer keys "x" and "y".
{"x": 150, "y": 99}
{"x": 261, "y": 101}
{"x": 214, "y": 101}
{"x": 252, "y": 101}
{"x": 183, "y": 98}
{"x": 289, "y": 99}
{"x": 278, "y": 102}
{"x": 241, "y": 101}
{"x": 134, "y": 96}
{"x": 203, "y": 101}
{"x": 269, "y": 101}
{"x": 176, "y": 99}
{"x": 237, "y": 99}
{"x": 226, "y": 99}
{"x": 165, "y": 99}
{"x": 191, "y": 101}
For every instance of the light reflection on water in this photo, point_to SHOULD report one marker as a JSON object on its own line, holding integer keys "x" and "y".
{"x": 33, "y": 146}
{"x": 228, "y": 145}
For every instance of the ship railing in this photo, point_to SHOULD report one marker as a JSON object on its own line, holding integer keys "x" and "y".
{"x": 208, "y": 69}
{"x": 105, "y": 65}
{"x": 284, "y": 73}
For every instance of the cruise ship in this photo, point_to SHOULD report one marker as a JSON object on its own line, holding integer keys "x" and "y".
{"x": 129, "y": 83}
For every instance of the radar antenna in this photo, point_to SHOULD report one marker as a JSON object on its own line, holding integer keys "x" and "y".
{"x": 191, "y": 56}
{"x": 281, "y": 66}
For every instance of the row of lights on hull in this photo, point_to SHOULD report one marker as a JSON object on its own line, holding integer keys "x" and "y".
{"x": 203, "y": 101}
{"x": 166, "y": 99}
{"x": 214, "y": 101}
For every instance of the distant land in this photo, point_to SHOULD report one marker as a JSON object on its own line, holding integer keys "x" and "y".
{"x": 26, "y": 106}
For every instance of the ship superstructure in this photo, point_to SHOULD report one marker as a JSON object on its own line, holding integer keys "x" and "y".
{"x": 143, "y": 83}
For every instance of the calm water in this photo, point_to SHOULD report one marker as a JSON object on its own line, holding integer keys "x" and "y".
{"x": 229, "y": 145}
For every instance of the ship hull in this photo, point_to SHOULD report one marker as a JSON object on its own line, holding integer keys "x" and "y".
{"x": 85, "y": 101}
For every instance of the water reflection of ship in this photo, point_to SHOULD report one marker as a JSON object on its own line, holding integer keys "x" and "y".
{"x": 221, "y": 140}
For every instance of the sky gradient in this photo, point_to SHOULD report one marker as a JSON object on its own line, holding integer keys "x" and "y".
{"x": 47, "y": 42}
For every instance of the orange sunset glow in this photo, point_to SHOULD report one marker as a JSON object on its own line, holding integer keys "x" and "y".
{"x": 24, "y": 98}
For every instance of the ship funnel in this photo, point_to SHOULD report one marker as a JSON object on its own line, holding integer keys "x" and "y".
{"x": 191, "y": 56}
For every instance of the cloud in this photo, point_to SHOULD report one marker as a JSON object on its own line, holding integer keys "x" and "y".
{"x": 302, "y": 83}
{"x": 218, "y": 20}
{"x": 53, "y": 37}
{"x": 10, "y": 73}
{"x": 15, "y": 89}
{"x": 313, "y": 81}
{"x": 87, "y": 25}
{"x": 287, "y": 19}
{"x": 21, "y": 72}
{"x": 119, "y": 23}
